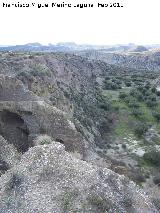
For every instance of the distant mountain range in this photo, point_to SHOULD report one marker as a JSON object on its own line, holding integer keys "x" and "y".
{"x": 125, "y": 55}
{"x": 70, "y": 47}
{"x": 60, "y": 47}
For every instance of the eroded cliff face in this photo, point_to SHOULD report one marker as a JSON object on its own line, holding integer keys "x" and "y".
{"x": 65, "y": 81}
{"x": 23, "y": 116}
{"x": 147, "y": 60}
{"x": 48, "y": 179}
{"x": 50, "y": 116}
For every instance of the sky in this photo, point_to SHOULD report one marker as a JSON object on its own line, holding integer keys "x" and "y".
{"x": 136, "y": 22}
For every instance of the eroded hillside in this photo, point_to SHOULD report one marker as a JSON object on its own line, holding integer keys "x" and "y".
{"x": 55, "y": 101}
{"x": 135, "y": 59}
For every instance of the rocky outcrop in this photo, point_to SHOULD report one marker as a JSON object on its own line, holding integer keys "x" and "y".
{"x": 48, "y": 179}
{"x": 61, "y": 82}
{"x": 23, "y": 116}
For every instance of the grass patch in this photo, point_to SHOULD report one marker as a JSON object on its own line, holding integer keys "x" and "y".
{"x": 147, "y": 113}
{"x": 122, "y": 125}
{"x": 130, "y": 111}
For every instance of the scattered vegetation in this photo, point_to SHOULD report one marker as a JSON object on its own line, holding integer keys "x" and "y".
{"x": 112, "y": 84}
{"x": 41, "y": 70}
{"x": 137, "y": 99}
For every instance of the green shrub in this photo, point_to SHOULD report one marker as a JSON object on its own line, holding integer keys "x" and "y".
{"x": 127, "y": 99}
{"x": 140, "y": 88}
{"x": 147, "y": 85}
{"x": 144, "y": 91}
{"x": 116, "y": 108}
{"x": 141, "y": 128}
{"x": 45, "y": 141}
{"x": 111, "y": 85}
{"x": 152, "y": 157}
{"x": 147, "y": 93}
{"x": 40, "y": 70}
{"x": 31, "y": 56}
{"x": 128, "y": 84}
{"x": 151, "y": 103}
{"x": 115, "y": 86}
{"x": 133, "y": 104}
{"x": 136, "y": 112}
{"x": 140, "y": 97}
{"x": 156, "y": 115}
{"x": 105, "y": 106}
{"x": 107, "y": 78}
{"x": 139, "y": 83}
{"x": 124, "y": 146}
{"x": 152, "y": 98}
{"x": 66, "y": 94}
{"x": 153, "y": 89}
{"x": 133, "y": 92}
{"x": 158, "y": 93}
{"x": 122, "y": 95}
{"x": 137, "y": 94}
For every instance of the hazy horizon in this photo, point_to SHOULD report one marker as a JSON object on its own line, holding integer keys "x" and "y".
{"x": 72, "y": 42}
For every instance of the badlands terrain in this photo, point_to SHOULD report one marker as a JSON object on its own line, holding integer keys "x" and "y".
{"x": 79, "y": 129}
